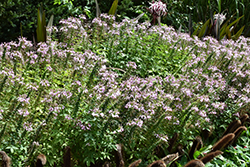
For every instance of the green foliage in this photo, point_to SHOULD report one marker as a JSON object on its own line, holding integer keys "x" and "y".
{"x": 113, "y": 8}
{"x": 19, "y": 17}
{"x": 111, "y": 82}
{"x": 41, "y": 25}
{"x": 212, "y": 28}
{"x": 17, "y": 14}
{"x": 146, "y": 51}
{"x": 67, "y": 3}
{"x": 235, "y": 155}
{"x": 201, "y": 10}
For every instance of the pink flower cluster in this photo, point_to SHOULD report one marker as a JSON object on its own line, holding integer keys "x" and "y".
{"x": 158, "y": 8}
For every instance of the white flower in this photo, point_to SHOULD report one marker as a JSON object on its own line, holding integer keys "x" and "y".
{"x": 158, "y": 8}
{"x": 221, "y": 17}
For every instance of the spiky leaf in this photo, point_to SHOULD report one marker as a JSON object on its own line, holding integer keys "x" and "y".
{"x": 113, "y": 8}
{"x": 228, "y": 33}
{"x": 223, "y": 32}
{"x": 41, "y": 25}
{"x": 50, "y": 24}
{"x": 235, "y": 22}
{"x": 204, "y": 28}
{"x": 196, "y": 31}
{"x": 237, "y": 35}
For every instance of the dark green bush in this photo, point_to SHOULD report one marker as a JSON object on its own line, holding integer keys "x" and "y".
{"x": 19, "y": 17}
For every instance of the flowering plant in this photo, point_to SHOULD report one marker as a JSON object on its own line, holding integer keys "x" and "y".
{"x": 84, "y": 92}
{"x": 157, "y": 9}
{"x": 219, "y": 17}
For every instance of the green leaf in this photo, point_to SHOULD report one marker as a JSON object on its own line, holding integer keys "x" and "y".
{"x": 235, "y": 21}
{"x": 237, "y": 35}
{"x": 219, "y": 5}
{"x": 196, "y": 154}
{"x": 50, "y": 23}
{"x": 41, "y": 25}
{"x": 228, "y": 33}
{"x": 196, "y": 31}
{"x": 113, "y": 8}
{"x": 138, "y": 17}
{"x": 3, "y": 130}
{"x": 204, "y": 28}
{"x": 223, "y": 32}
{"x": 57, "y": 2}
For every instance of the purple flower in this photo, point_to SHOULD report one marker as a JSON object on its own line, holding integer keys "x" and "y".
{"x": 36, "y": 143}
{"x": 219, "y": 105}
{"x": 169, "y": 117}
{"x": 203, "y": 113}
{"x": 23, "y": 98}
{"x": 27, "y": 126}
{"x": 45, "y": 83}
{"x": 132, "y": 65}
{"x": 23, "y": 112}
{"x": 49, "y": 68}
{"x": 167, "y": 108}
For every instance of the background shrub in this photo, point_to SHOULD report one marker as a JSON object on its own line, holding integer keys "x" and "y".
{"x": 16, "y": 14}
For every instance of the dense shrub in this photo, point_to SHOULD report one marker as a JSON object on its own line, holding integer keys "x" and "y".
{"x": 84, "y": 93}
{"x": 20, "y": 17}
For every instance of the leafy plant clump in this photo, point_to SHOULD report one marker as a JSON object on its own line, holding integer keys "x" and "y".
{"x": 104, "y": 83}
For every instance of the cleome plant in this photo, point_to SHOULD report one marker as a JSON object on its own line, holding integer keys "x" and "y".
{"x": 102, "y": 83}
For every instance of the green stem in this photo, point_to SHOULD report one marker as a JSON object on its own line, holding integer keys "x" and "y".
{"x": 2, "y": 83}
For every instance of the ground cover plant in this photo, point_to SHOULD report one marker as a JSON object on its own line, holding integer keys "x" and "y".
{"x": 104, "y": 83}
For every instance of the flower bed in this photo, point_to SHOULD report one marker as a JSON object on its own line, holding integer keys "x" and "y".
{"x": 104, "y": 83}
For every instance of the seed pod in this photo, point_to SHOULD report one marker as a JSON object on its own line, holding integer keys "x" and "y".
{"x": 135, "y": 163}
{"x": 243, "y": 118}
{"x": 195, "y": 162}
{"x": 119, "y": 160}
{"x": 67, "y": 158}
{"x": 169, "y": 158}
{"x": 5, "y": 159}
{"x": 158, "y": 163}
{"x": 232, "y": 126}
{"x": 237, "y": 133}
{"x": 209, "y": 157}
{"x": 40, "y": 160}
{"x": 196, "y": 143}
{"x": 223, "y": 142}
{"x": 206, "y": 134}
